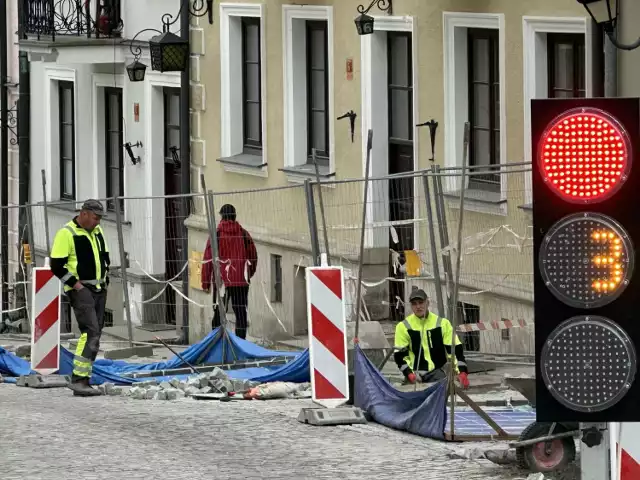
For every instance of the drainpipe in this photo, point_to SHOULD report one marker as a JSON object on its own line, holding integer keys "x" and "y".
{"x": 4, "y": 158}
{"x": 185, "y": 154}
{"x": 610, "y": 66}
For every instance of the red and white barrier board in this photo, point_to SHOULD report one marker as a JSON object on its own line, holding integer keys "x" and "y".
{"x": 45, "y": 315}
{"x": 327, "y": 336}
{"x": 628, "y": 436}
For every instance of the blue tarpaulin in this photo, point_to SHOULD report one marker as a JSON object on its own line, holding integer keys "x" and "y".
{"x": 216, "y": 348}
{"x": 423, "y": 413}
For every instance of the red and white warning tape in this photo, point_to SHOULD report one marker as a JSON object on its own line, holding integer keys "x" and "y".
{"x": 495, "y": 325}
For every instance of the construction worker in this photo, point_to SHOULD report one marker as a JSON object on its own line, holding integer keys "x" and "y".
{"x": 80, "y": 259}
{"x": 423, "y": 344}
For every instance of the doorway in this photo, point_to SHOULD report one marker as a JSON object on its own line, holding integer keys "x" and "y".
{"x": 172, "y": 182}
{"x": 400, "y": 117}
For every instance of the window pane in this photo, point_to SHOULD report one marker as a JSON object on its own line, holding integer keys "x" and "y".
{"x": 67, "y": 141}
{"x": 115, "y": 183}
{"x": 496, "y": 105}
{"x": 400, "y": 109}
{"x": 67, "y": 105}
{"x": 173, "y": 115}
{"x": 318, "y": 48}
{"x": 580, "y": 66}
{"x": 496, "y": 136}
{"x": 67, "y": 177}
{"x": 252, "y": 122}
{"x": 319, "y": 131}
{"x": 399, "y": 61}
{"x": 563, "y": 66}
{"x": 252, "y": 43}
{"x": 481, "y": 60}
{"x": 481, "y": 106}
{"x": 116, "y": 149}
{"x": 318, "y": 90}
{"x": 481, "y": 147}
{"x": 174, "y": 138}
{"x": 114, "y": 112}
{"x": 252, "y": 87}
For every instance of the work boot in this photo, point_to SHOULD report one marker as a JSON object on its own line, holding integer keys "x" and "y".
{"x": 81, "y": 388}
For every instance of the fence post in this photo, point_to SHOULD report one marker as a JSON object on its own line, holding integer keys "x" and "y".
{"x": 47, "y": 247}
{"x": 213, "y": 238}
{"x": 444, "y": 235}
{"x": 313, "y": 222}
{"x": 432, "y": 241}
{"x": 324, "y": 218}
{"x": 123, "y": 270}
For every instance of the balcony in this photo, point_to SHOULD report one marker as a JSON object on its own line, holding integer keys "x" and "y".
{"x": 71, "y": 22}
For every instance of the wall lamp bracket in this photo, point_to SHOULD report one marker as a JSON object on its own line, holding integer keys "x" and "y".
{"x": 351, "y": 115}
{"x": 129, "y": 148}
{"x": 433, "y": 127}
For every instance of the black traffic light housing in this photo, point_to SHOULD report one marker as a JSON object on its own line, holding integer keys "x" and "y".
{"x": 587, "y": 329}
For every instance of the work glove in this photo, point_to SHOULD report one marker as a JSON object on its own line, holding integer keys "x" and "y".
{"x": 463, "y": 378}
{"x": 412, "y": 377}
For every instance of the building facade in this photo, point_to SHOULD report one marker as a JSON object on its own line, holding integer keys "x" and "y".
{"x": 85, "y": 114}
{"x": 277, "y": 76}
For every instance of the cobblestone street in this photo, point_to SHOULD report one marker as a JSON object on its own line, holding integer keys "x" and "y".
{"x": 48, "y": 434}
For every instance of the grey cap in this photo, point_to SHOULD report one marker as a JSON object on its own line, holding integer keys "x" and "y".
{"x": 417, "y": 294}
{"x": 94, "y": 206}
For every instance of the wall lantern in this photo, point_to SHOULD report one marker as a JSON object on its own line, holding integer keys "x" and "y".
{"x": 364, "y": 22}
{"x": 605, "y": 13}
{"x": 136, "y": 71}
{"x": 169, "y": 53}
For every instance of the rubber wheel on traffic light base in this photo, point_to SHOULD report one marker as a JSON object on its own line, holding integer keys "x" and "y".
{"x": 545, "y": 456}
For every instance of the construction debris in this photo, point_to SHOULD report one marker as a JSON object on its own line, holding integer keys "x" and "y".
{"x": 270, "y": 391}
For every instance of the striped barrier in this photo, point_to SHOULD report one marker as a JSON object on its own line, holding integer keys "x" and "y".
{"x": 327, "y": 336}
{"x": 495, "y": 325}
{"x": 629, "y": 439}
{"x": 45, "y": 314}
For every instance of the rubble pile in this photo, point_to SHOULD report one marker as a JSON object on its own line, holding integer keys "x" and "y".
{"x": 215, "y": 381}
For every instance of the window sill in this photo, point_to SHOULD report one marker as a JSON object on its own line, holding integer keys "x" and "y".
{"x": 481, "y": 201}
{"x": 527, "y": 207}
{"x": 110, "y": 216}
{"x": 245, "y": 163}
{"x": 300, "y": 173}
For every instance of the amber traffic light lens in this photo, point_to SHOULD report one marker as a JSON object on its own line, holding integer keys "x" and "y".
{"x": 586, "y": 260}
{"x": 585, "y": 155}
{"x": 588, "y": 363}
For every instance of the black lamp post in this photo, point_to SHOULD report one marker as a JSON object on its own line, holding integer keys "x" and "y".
{"x": 605, "y": 13}
{"x": 364, "y": 22}
{"x": 169, "y": 52}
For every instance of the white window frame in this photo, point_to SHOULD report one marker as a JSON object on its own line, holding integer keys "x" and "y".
{"x": 100, "y": 81}
{"x": 456, "y": 96}
{"x": 51, "y": 133}
{"x": 295, "y": 131}
{"x": 536, "y": 71}
{"x": 374, "y": 85}
{"x": 231, "y": 111}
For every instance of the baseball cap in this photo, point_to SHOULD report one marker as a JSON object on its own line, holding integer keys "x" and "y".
{"x": 417, "y": 294}
{"x": 94, "y": 206}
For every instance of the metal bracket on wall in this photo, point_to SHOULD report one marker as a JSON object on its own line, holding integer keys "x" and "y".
{"x": 12, "y": 123}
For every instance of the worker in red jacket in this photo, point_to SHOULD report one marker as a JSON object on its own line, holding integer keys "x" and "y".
{"x": 238, "y": 260}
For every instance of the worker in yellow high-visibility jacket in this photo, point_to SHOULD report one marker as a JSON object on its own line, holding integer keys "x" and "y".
{"x": 423, "y": 344}
{"x": 80, "y": 259}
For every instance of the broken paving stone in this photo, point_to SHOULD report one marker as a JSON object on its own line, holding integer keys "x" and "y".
{"x": 193, "y": 382}
{"x": 191, "y": 391}
{"x": 151, "y": 391}
{"x": 160, "y": 395}
{"x": 217, "y": 373}
{"x": 174, "y": 382}
{"x": 147, "y": 383}
{"x": 165, "y": 385}
{"x": 203, "y": 378}
{"x": 220, "y": 386}
{"x": 205, "y": 390}
{"x": 138, "y": 393}
{"x": 23, "y": 350}
{"x": 174, "y": 394}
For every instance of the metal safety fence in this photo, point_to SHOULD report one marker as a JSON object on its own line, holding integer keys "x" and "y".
{"x": 417, "y": 226}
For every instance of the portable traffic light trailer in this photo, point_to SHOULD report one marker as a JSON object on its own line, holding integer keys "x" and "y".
{"x": 586, "y": 221}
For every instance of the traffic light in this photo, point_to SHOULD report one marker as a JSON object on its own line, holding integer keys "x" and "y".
{"x": 586, "y": 221}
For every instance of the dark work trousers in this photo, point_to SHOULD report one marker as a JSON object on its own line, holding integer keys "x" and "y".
{"x": 88, "y": 306}
{"x": 239, "y": 297}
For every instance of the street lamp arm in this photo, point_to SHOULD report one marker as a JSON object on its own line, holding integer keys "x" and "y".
{"x": 384, "y": 5}
{"x": 200, "y": 8}
{"x": 623, "y": 46}
{"x": 138, "y": 51}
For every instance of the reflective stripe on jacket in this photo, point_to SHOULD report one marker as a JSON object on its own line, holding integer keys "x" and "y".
{"x": 79, "y": 255}
{"x": 434, "y": 334}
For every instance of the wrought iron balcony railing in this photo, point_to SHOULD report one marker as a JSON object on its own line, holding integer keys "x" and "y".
{"x": 70, "y": 18}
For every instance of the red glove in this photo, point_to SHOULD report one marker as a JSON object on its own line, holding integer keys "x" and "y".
{"x": 411, "y": 377}
{"x": 464, "y": 380}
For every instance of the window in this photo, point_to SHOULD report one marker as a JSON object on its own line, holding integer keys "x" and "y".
{"x": 114, "y": 140}
{"x": 276, "y": 278}
{"x": 484, "y": 105}
{"x": 400, "y": 75}
{"x": 566, "y": 65}
{"x": 171, "y": 124}
{"x": 317, "y": 91}
{"x": 505, "y": 334}
{"x": 251, "y": 85}
{"x": 66, "y": 106}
